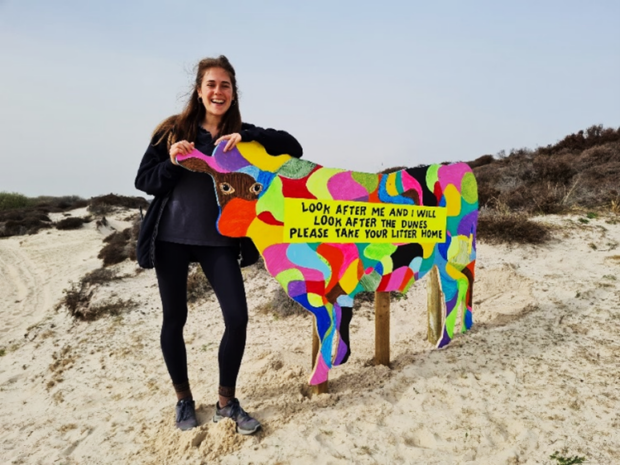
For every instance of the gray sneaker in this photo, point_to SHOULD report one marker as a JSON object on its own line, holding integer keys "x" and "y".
{"x": 186, "y": 415}
{"x": 245, "y": 423}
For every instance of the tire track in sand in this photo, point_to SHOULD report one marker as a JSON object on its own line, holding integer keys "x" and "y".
{"x": 20, "y": 288}
{"x": 36, "y": 269}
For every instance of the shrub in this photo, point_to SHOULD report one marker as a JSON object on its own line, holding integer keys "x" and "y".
{"x": 104, "y": 204}
{"x": 77, "y": 299}
{"x": 13, "y": 200}
{"x": 198, "y": 286}
{"x": 120, "y": 245}
{"x": 21, "y": 215}
{"x": 545, "y": 198}
{"x": 601, "y": 154}
{"x": 393, "y": 169}
{"x": 70, "y": 223}
{"x": 481, "y": 161}
{"x": 28, "y": 224}
{"x": 281, "y": 305}
{"x": 511, "y": 229}
{"x": 487, "y": 195}
{"x": 594, "y": 135}
{"x": 559, "y": 170}
{"x": 59, "y": 204}
{"x": 109, "y": 308}
{"x": 368, "y": 297}
{"x": 100, "y": 276}
{"x": 580, "y": 171}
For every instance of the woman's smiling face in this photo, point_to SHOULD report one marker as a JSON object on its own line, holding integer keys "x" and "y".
{"x": 216, "y": 91}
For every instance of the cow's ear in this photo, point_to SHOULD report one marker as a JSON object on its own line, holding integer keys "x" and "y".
{"x": 195, "y": 164}
{"x": 198, "y": 161}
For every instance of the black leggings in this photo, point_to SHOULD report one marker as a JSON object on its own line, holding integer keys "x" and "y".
{"x": 221, "y": 268}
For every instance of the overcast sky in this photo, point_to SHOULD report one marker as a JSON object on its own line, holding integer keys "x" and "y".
{"x": 363, "y": 85}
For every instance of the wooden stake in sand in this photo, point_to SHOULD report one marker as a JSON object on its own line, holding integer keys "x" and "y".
{"x": 434, "y": 307}
{"x": 382, "y": 328}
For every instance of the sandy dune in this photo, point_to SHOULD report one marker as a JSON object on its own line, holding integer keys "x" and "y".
{"x": 539, "y": 372}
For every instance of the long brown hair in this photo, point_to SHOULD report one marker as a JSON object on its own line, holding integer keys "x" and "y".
{"x": 184, "y": 126}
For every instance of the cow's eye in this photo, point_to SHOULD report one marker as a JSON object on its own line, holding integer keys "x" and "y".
{"x": 256, "y": 188}
{"x": 226, "y": 188}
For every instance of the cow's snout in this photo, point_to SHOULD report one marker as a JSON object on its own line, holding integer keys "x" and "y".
{"x": 236, "y": 217}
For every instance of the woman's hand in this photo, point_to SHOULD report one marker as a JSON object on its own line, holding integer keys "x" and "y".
{"x": 180, "y": 148}
{"x": 233, "y": 139}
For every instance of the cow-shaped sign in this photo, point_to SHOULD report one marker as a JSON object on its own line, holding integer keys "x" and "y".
{"x": 257, "y": 193}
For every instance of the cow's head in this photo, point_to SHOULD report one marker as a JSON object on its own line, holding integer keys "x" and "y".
{"x": 241, "y": 176}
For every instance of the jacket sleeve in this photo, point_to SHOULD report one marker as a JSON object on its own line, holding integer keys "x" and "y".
{"x": 275, "y": 142}
{"x": 157, "y": 175}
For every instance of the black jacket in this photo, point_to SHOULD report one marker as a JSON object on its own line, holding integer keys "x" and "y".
{"x": 157, "y": 176}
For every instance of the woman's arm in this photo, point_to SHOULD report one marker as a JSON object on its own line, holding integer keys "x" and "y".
{"x": 157, "y": 175}
{"x": 275, "y": 142}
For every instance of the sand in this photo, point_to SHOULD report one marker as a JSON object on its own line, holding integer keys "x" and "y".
{"x": 538, "y": 373}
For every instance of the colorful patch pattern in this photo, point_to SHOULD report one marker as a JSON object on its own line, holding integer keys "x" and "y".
{"x": 323, "y": 277}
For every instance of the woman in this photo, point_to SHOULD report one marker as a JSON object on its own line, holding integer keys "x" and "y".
{"x": 180, "y": 228}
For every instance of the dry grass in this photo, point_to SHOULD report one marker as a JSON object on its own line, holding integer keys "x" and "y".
{"x": 198, "y": 286}
{"x": 100, "y": 276}
{"x": 554, "y": 179}
{"x": 282, "y": 306}
{"x": 120, "y": 245}
{"x": 369, "y": 298}
{"x": 514, "y": 228}
{"x": 579, "y": 172}
{"x": 77, "y": 299}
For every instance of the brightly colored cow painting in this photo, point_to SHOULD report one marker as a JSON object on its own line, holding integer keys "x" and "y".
{"x": 327, "y": 234}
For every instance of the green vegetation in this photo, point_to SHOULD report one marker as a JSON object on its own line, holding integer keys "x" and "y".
{"x": 561, "y": 460}
{"x": 13, "y": 200}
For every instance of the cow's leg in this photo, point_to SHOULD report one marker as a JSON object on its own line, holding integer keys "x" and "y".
{"x": 468, "y": 319}
{"x": 323, "y": 387}
{"x": 454, "y": 287}
{"x": 344, "y": 345}
{"x": 344, "y": 314}
{"x": 326, "y": 328}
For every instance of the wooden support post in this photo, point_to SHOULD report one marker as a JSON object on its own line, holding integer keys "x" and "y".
{"x": 382, "y": 328}
{"x": 316, "y": 343}
{"x": 435, "y": 310}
